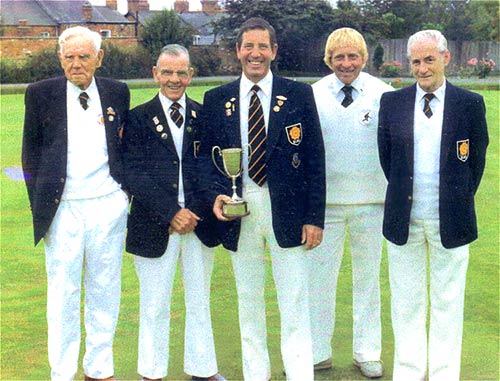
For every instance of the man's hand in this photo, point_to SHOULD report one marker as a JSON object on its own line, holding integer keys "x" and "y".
{"x": 311, "y": 236}
{"x": 183, "y": 222}
{"x": 219, "y": 202}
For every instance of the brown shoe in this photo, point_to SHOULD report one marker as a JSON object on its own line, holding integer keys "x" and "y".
{"x": 215, "y": 377}
{"x": 112, "y": 378}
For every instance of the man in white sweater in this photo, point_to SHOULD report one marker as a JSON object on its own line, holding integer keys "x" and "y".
{"x": 348, "y": 103}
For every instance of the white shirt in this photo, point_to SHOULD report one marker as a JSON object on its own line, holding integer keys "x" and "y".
{"x": 177, "y": 136}
{"x": 87, "y": 174}
{"x": 427, "y": 150}
{"x": 353, "y": 172}
{"x": 265, "y": 92}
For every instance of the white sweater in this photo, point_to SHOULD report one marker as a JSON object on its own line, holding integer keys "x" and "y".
{"x": 353, "y": 172}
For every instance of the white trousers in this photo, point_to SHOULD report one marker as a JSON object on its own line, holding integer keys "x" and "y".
{"x": 419, "y": 269}
{"x": 85, "y": 236}
{"x": 156, "y": 279}
{"x": 365, "y": 233}
{"x": 289, "y": 268}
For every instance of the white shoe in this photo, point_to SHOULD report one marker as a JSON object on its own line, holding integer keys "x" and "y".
{"x": 370, "y": 369}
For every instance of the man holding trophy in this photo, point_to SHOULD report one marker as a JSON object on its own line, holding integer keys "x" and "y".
{"x": 168, "y": 221}
{"x": 269, "y": 126}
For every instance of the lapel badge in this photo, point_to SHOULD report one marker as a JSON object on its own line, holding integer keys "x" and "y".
{"x": 110, "y": 111}
{"x": 228, "y": 112}
{"x": 111, "y": 118}
{"x": 281, "y": 97}
{"x": 294, "y": 134}
{"x": 280, "y": 102}
{"x": 159, "y": 128}
{"x": 193, "y": 114}
{"x": 276, "y": 108}
{"x": 463, "y": 150}
{"x": 189, "y": 129}
{"x": 295, "y": 160}
{"x": 196, "y": 148}
{"x": 156, "y": 120}
{"x": 230, "y": 107}
{"x": 164, "y": 136}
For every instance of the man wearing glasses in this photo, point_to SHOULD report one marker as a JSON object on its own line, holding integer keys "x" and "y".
{"x": 168, "y": 222}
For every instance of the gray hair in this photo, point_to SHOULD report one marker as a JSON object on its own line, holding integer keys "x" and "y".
{"x": 441, "y": 43}
{"x": 173, "y": 50}
{"x": 80, "y": 31}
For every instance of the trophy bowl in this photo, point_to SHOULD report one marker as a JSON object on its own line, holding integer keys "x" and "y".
{"x": 232, "y": 163}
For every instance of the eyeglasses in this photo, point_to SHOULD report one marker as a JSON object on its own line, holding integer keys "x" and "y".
{"x": 182, "y": 74}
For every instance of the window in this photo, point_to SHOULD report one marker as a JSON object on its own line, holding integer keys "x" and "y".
{"x": 196, "y": 39}
{"x": 45, "y": 34}
{"x": 105, "y": 33}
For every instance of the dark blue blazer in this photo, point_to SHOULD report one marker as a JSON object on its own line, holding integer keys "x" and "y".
{"x": 295, "y": 168}
{"x": 45, "y": 142}
{"x": 459, "y": 174}
{"x": 151, "y": 166}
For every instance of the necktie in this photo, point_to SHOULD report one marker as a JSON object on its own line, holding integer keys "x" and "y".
{"x": 427, "y": 107}
{"x": 348, "y": 95}
{"x": 256, "y": 139}
{"x": 176, "y": 115}
{"x": 84, "y": 97}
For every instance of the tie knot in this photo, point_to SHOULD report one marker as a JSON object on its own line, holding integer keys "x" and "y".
{"x": 429, "y": 96}
{"x": 347, "y": 89}
{"x": 255, "y": 89}
{"x": 175, "y": 106}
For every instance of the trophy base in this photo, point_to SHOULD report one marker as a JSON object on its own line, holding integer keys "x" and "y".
{"x": 235, "y": 209}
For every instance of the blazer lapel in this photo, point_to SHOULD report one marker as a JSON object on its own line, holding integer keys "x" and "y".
{"x": 157, "y": 122}
{"x": 451, "y": 105}
{"x": 189, "y": 127}
{"x": 407, "y": 119}
{"x": 277, "y": 113}
{"x": 231, "y": 104}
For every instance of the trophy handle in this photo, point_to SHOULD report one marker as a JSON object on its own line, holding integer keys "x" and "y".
{"x": 217, "y": 148}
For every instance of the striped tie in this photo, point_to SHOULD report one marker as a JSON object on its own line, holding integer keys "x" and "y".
{"x": 176, "y": 115}
{"x": 427, "y": 107}
{"x": 84, "y": 98}
{"x": 256, "y": 139}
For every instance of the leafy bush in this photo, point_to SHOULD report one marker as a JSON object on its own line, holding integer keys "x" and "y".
{"x": 481, "y": 67}
{"x": 205, "y": 61}
{"x": 390, "y": 70}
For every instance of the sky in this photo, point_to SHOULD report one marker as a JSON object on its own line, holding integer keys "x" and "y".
{"x": 194, "y": 5}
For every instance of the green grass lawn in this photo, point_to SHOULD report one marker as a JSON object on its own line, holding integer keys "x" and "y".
{"x": 23, "y": 285}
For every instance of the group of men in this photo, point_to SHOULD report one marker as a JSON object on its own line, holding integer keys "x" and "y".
{"x": 314, "y": 171}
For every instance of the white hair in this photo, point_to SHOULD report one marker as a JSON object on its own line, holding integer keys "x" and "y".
{"x": 80, "y": 31}
{"x": 442, "y": 44}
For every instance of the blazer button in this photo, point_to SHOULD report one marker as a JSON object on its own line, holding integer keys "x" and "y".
{"x": 175, "y": 162}
{"x": 56, "y": 201}
{"x": 174, "y": 186}
{"x": 410, "y": 198}
{"x": 61, "y": 180}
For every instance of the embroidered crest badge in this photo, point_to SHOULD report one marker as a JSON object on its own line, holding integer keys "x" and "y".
{"x": 463, "y": 150}
{"x": 294, "y": 133}
{"x": 366, "y": 117}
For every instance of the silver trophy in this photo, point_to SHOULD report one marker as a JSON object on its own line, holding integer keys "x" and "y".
{"x": 232, "y": 162}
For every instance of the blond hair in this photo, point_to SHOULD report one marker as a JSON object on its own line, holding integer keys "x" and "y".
{"x": 344, "y": 37}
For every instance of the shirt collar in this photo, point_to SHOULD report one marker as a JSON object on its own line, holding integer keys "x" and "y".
{"x": 166, "y": 102}
{"x": 265, "y": 84}
{"x": 91, "y": 90}
{"x": 438, "y": 93}
{"x": 337, "y": 85}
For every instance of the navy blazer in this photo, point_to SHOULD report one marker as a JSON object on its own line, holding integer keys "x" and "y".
{"x": 460, "y": 172}
{"x": 45, "y": 142}
{"x": 295, "y": 164}
{"x": 151, "y": 172}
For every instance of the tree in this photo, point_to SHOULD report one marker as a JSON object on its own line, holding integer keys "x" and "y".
{"x": 299, "y": 24}
{"x": 165, "y": 28}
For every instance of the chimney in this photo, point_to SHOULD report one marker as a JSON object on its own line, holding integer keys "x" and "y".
{"x": 112, "y": 4}
{"x": 135, "y": 6}
{"x": 87, "y": 11}
{"x": 210, "y": 7}
{"x": 181, "y": 6}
